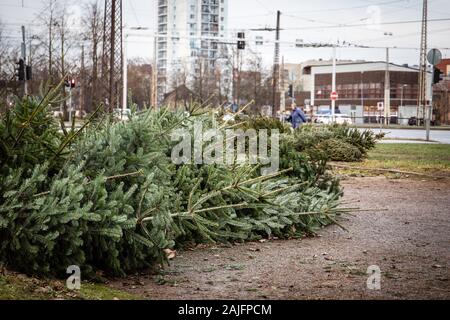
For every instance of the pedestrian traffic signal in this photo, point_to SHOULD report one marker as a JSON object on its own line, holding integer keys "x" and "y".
{"x": 21, "y": 70}
{"x": 72, "y": 83}
{"x": 438, "y": 76}
{"x": 241, "y": 43}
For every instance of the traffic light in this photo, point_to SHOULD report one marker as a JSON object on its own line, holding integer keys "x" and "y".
{"x": 29, "y": 73}
{"x": 21, "y": 70}
{"x": 291, "y": 91}
{"x": 70, "y": 83}
{"x": 241, "y": 43}
{"x": 437, "y": 75}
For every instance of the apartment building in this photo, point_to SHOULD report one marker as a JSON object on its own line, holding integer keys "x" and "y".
{"x": 188, "y": 31}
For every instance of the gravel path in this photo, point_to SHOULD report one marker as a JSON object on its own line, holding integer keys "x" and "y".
{"x": 408, "y": 238}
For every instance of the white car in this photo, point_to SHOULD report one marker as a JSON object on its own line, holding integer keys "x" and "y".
{"x": 339, "y": 119}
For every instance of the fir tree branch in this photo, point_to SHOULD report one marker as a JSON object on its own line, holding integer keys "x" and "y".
{"x": 70, "y": 138}
{"x": 191, "y": 215}
{"x": 35, "y": 112}
{"x": 120, "y": 176}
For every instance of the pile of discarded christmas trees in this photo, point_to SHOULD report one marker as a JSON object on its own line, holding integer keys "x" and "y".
{"x": 109, "y": 197}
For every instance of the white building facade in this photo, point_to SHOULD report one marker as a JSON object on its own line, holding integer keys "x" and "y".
{"x": 188, "y": 30}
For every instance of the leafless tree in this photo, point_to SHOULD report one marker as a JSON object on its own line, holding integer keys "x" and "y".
{"x": 65, "y": 36}
{"x": 47, "y": 40}
{"x": 3, "y": 50}
{"x": 140, "y": 82}
{"x": 255, "y": 65}
{"x": 200, "y": 79}
{"x": 93, "y": 33}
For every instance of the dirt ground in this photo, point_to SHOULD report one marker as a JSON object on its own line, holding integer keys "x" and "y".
{"x": 406, "y": 233}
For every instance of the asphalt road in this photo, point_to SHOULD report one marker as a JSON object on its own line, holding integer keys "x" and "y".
{"x": 441, "y": 136}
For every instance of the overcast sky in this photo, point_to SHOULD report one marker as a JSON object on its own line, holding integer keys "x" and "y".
{"x": 312, "y": 21}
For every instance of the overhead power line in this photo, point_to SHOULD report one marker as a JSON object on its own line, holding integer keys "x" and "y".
{"x": 364, "y": 24}
{"x": 352, "y": 7}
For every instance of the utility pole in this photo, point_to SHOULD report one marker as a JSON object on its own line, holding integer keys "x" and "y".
{"x": 112, "y": 62}
{"x": 70, "y": 105}
{"x": 282, "y": 91}
{"x": 238, "y": 77}
{"x": 434, "y": 57}
{"x": 82, "y": 82}
{"x": 50, "y": 44}
{"x": 333, "y": 86}
{"x": 422, "y": 98}
{"x": 276, "y": 65}
{"x": 154, "y": 97}
{"x": 111, "y": 95}
{"x": 387, "y": 92}
{"x": 429, "y": 108}
{"x": 125, "y": 71}
{"x": 24, "y": 57}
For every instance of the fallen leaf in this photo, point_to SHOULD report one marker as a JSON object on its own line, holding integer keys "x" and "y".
{"x": 170, "y": 254}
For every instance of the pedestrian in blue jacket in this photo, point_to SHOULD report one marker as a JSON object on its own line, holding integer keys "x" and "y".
{"x": 297, "y": 117}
